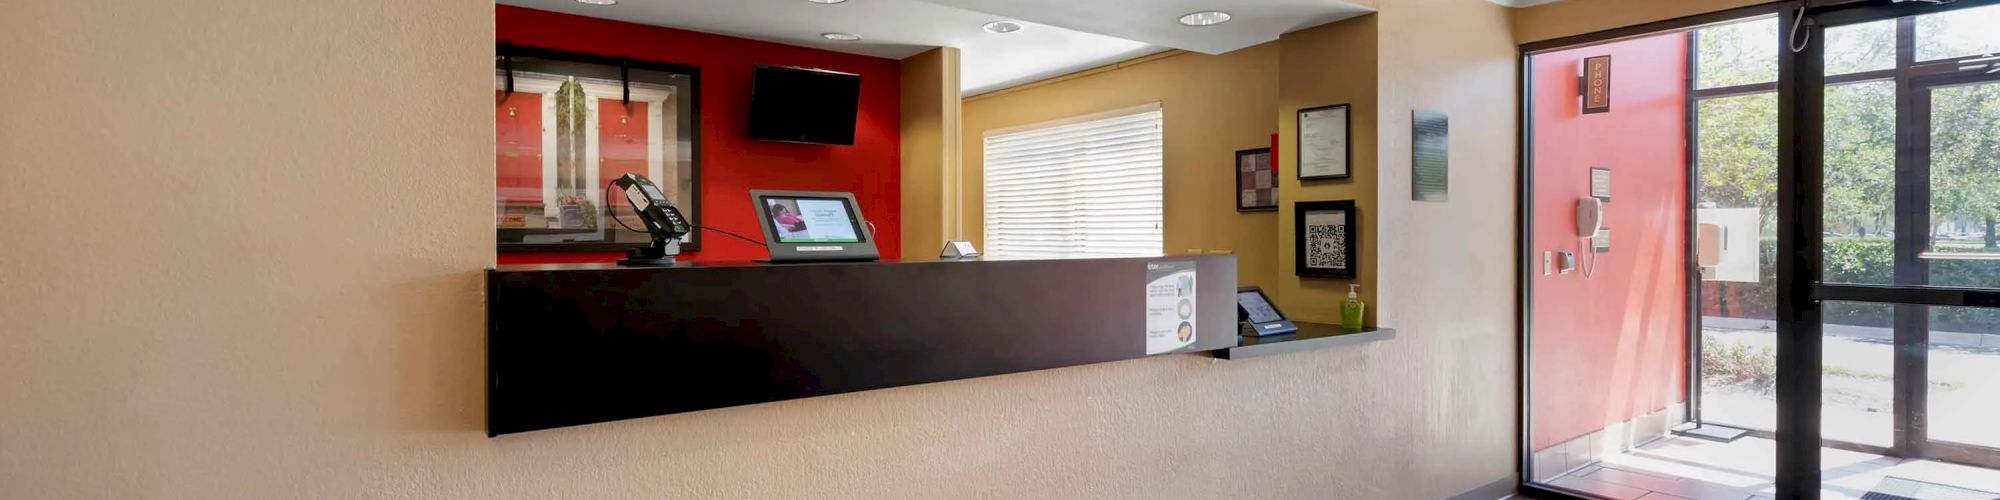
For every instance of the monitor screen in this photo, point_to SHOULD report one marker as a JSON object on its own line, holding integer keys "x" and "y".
{"x": 812, "y": 220}
{"x": 1260, "y": 310}
{"x": 803, "y": 105}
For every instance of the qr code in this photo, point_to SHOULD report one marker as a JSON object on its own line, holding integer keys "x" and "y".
{"x": 1324, "y": 246}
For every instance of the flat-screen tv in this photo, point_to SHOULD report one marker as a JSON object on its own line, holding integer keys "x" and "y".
{"x": 803, "y": 105}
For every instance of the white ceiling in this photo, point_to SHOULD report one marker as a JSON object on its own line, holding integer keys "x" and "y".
{"x": 1157, "y": 21}
{"x": 1059, "y": 36}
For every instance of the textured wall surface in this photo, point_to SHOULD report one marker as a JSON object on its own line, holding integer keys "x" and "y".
{"x": 1448, "y": 275}
{"x": 243, "y": 252}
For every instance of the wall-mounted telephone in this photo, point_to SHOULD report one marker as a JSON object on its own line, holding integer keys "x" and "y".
{"x": 663, "y": 222}
{"x": 1589, "y": 221}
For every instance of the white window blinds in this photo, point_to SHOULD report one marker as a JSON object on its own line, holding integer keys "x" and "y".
{"x": 1084, "y": 187}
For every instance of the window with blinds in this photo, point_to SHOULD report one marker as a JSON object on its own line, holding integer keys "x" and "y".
{"x": 1083, "y": 187}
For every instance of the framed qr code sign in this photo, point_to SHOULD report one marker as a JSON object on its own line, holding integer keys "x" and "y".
{"x": 1324, "y": 239}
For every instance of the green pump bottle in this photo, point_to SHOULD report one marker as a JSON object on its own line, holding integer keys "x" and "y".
{"x": 1350, "y": 311}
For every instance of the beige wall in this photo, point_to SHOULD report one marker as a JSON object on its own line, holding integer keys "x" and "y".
{"x": 1326, "y": 65}
{"x": 1213, "y": 106}
{"x": 930, "y": 156}
{"x": 1577, "y": 17}
{"x": 1448, "y": 268}
{"x": 288, "y": 305}
{"x": 291, "y": 305}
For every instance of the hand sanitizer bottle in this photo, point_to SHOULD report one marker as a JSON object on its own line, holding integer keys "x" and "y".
{"x": 1350, "y": 311}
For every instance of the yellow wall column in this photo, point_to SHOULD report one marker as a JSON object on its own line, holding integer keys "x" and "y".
{"x": 930, "y": 183}
{"x": 1326, "y": 65}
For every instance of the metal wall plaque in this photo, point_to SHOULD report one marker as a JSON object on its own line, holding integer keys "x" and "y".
{"x": 1429, "y": 156}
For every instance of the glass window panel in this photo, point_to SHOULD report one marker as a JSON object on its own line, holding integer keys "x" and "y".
{"x": 1958, "y": 33}
{"x": 1860, "y": 162}
{"x": 1738, "y": 181}
{"x": 566, "y": 130}
{"x": 1964, "y": 394}
{"x": 1857, "y": 382}
{"x": 1739, "y": 53}
{"x": 1861, "y": 47}
{"x": 1965, "y": 185}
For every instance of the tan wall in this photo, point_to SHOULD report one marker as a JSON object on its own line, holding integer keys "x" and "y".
{"x": 1577, "y": 17}
{"x": 1326, "y": 65}
{"x": 1213, "y": 106}
{"x": 930, "y": 156}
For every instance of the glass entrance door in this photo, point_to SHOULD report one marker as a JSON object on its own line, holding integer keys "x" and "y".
{"x": 1958, "y": 348}
{"x": 1889, "y": 268}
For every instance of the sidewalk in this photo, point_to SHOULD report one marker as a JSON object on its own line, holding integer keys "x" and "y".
{"x": 1862, "y": 332}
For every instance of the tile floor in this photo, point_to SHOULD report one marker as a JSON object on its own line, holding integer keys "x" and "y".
{"x": 1678, "y": 467}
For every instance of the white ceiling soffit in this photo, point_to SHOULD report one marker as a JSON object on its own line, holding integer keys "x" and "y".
{"x": 1522, "y": 3}
{"x": 1157, "y": 22}
{"x": 893, "y": 29}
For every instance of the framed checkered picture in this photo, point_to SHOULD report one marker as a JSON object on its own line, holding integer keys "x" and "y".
{"x": 1256, "y": 181}
{"x": 1324, "y": 239}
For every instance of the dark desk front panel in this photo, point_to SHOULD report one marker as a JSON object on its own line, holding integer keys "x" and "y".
{"x": 576, "y": 344}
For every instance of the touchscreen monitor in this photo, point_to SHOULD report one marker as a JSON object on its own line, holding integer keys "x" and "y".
{"x": 1258, "y": 309}
{"x": 805, "y": 226}
{"x": 812, "y": 220}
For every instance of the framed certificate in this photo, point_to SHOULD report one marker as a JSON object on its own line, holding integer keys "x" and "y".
{"x": 1323, "y": 138}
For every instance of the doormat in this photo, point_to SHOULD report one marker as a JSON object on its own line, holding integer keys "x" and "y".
{"x": 1896, "y": 488}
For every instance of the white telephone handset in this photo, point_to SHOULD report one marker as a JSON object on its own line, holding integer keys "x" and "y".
{"x": 1589, "y": 216}
{"x": 1589, "y": 221}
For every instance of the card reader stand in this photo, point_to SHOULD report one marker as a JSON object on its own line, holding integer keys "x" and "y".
{"x": 658, "y": 254}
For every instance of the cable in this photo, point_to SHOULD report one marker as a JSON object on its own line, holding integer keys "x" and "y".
{"x": 614, "y": 215}
{"x": 1793, "y": 40}
{"x": 738, "y": 236}
{"x": 1590, "y": 257}
{"x": 621, "y": 222}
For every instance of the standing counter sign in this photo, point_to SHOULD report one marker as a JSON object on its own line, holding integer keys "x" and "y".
{"x": 1170, "y": 306}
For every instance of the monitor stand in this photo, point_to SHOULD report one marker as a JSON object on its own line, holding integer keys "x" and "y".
{"x": 812, "y": 261}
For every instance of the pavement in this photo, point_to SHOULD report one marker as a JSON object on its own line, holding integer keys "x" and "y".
{"x": 1956, "y": 339}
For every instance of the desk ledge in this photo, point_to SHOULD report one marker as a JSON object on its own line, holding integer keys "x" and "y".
{"x": 1309, "y": 337}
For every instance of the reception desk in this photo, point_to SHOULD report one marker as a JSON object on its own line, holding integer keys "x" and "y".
{"x": 571, "y": 344}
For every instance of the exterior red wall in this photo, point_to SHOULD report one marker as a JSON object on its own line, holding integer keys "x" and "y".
{"x": 1612, "y": 346}
{"x": 517, "y": 158}
{"x": 731, "y": 163}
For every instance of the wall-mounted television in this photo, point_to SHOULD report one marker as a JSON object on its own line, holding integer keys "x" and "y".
{"x": 803, "y": 105}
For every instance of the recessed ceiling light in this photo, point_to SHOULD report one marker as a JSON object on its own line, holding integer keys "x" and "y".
{"x": 827, "y": 2}
{"x": 598, "y": 2}
{"x": 840, "y": 37}
{"x": 1205, "y": 18}
{"x": 1003, "y": 26}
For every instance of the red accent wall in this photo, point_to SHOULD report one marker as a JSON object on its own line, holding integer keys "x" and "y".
{"x": 621, "y": 140}
{"x": 1612, "y": 346}
{"x": 518, "y": 156}
{"x": 731, "y": 163}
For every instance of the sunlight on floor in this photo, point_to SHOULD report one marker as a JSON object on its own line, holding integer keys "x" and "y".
{"x": 1682, "y": 467}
